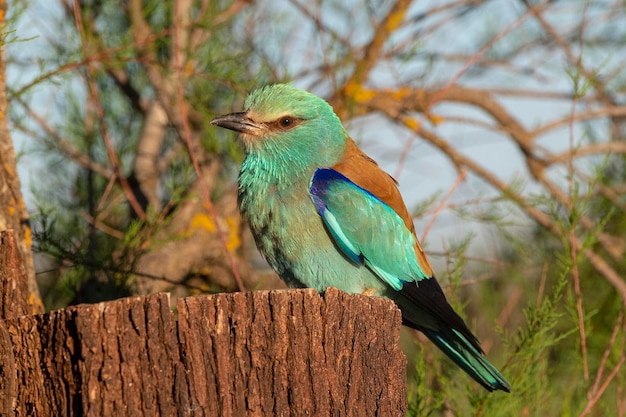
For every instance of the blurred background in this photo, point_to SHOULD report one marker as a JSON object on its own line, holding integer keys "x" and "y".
{"x": 504, "y": 123}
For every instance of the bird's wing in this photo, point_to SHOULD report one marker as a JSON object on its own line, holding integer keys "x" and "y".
{"x": 365, "y": 172}
{"x": 370, "y": 232}
{"x": 366, "y": 229}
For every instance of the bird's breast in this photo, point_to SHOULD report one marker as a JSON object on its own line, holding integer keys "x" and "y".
{"x": 292, "y": 237}
{"x": 286, "y": 228}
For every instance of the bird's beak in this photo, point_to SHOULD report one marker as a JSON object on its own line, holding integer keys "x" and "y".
{"x": 239, "y": 122}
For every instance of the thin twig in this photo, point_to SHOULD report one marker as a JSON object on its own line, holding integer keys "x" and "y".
{"x": 603, "y": 388}
{"x": 542, "y": 285}
{"x": 442, "y": 203}
{"x": 572, "y": 231}
{"x": 605, "y": 356}
{"x": 101, "y": 226}
{"x": 579, "y": 306}
{"x": 93, "y": 90}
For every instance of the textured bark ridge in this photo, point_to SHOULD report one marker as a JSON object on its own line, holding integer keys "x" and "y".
{"x": 14, "y": 292}
{"x": 264, "y": 353}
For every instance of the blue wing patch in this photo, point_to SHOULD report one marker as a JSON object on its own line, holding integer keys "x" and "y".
{"x": 365, "y": 229}
{"x": 320, "y": 188}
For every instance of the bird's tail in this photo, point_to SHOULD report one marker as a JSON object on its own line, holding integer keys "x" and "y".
{"x": 466, "y": 356}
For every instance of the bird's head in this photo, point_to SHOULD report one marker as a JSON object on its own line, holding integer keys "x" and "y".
{"x": 288, "y": 125}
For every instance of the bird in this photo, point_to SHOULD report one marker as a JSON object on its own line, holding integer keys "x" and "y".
{"x": 324, "y": 214}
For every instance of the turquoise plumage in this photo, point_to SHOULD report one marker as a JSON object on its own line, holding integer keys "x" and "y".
{"x": 324, "y": 214}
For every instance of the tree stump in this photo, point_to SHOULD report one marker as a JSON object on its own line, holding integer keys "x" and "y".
{"x": 264, "y": 353}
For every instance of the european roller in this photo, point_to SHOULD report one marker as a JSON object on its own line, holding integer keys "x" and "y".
{"x": 324, "y": 214}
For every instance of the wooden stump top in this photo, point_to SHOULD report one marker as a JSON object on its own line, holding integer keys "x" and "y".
{"x": 286, "y": 353}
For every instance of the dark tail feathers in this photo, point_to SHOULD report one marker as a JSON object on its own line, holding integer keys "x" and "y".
{"x": 466, "y": 356}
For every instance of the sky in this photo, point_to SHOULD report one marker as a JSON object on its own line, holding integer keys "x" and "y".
{"x": 427, "y": 170}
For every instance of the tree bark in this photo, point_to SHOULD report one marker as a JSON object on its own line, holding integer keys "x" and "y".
{"x": 13, "y": 303}
{"x": 288, "y": 353}
{"x": 14, "y": 292}
{"x": 13, "y": 214}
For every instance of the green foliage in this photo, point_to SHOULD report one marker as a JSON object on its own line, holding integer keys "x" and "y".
{"x": 542, "y": 356}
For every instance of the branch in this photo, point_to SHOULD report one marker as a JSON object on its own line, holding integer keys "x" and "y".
{"x": 373, "y": 50}
{"x": 145, "y": 168}
{"x": 609, "y": 111}
{"x": 591, "y": 149}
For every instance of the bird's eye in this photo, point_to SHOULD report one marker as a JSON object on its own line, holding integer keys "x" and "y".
{"x": 286, "y": 122}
